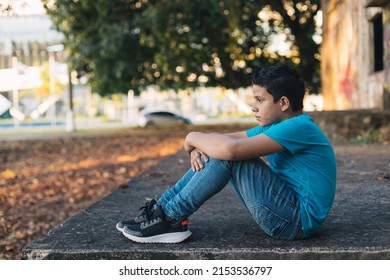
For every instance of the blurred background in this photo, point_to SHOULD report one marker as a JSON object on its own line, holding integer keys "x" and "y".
{"x": 72, "y": 64}
{"x": 79, "y": 77}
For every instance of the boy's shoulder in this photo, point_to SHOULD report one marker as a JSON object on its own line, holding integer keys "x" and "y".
{"x": 296, "y": 122}
{"x": 300, "y": 133}
{"x": 299, "y": 128}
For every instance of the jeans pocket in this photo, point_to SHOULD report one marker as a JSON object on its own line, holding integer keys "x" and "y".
{"x": 273, "y": 224}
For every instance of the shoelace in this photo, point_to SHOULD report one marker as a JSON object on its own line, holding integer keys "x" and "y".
{"x": 146, "y": 209}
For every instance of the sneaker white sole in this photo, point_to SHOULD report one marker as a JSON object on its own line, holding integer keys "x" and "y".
{"x": 174, "y": 237}
{"x": 120, "y": 229}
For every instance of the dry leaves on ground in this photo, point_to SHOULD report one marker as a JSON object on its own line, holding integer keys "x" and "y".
{"x": 43, "y": 182}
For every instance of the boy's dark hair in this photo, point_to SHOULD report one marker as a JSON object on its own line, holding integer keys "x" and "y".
{"x": 281, "y": 81}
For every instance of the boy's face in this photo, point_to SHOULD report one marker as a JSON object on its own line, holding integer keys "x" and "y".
{"x": 266, "y": 111}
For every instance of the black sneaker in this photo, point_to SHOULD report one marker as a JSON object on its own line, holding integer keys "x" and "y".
{"x": 147, "y": 212}
{"x": 158, "y": 229}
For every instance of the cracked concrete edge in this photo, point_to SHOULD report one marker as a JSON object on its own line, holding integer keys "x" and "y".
{"x": 210, "y": 254}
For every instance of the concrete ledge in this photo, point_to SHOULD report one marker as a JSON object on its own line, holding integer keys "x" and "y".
{"x": 355, "y": 126}
{"x": 358, "y": 226}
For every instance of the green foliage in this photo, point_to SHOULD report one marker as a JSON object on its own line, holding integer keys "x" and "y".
{"x": 371, "y": 136}
{"x": 297, "y": 20}
{"x": 203, "y": 42}
{"x": 103, "y": 39}
{"x": 131, "y": 44}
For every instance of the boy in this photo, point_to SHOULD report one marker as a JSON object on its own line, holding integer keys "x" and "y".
{"x": 289, "y": 200}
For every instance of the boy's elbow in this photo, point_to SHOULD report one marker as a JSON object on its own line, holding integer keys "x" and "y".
{"x": 237, "y": 151}
{"x": 232, "y": 151}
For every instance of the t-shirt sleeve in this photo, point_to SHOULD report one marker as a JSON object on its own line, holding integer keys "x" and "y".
{"x": 254, "y": 131}
{"x": 291, "y": 134}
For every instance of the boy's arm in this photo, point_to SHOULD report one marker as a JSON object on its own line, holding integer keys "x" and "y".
{"x": 239, "y": 134}
{"x": 225, "y": 147}
{"x": 236, "y": 135}
{"x": 197, "y": 155}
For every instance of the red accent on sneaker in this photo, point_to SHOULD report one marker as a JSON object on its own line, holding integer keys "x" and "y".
{"x": 185, "y": 222}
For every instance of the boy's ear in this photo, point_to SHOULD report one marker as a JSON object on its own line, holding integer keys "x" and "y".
{"x": 284, "y": 103}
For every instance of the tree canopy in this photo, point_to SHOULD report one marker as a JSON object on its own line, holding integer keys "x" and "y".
{"x": 131, "y": 44}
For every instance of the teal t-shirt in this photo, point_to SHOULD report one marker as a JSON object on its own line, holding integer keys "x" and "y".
{"x": 308, "y": 165}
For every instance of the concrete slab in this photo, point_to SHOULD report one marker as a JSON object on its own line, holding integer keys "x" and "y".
{"x": 358, "y": 226}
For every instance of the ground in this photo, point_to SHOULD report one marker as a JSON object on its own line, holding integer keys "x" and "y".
{"x": 43, "y": 182}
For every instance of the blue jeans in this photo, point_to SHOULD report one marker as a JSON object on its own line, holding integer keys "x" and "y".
{"x": 272, "y": 204}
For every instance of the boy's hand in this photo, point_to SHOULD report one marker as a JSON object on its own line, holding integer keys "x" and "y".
{"x": 196, "y": 159}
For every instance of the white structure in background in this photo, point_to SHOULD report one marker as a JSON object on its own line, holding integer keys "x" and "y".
{"x": 5, "y": 104}
{"x": 31, "y": 24}
{"x": 242, "y": 106}
{"x": 28, "y": 25}
{"x": 17, "y": 78}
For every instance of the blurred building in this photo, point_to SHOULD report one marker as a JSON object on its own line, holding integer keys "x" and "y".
{"x": 26, "y": 37}
{"x": 355, "y": 54}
